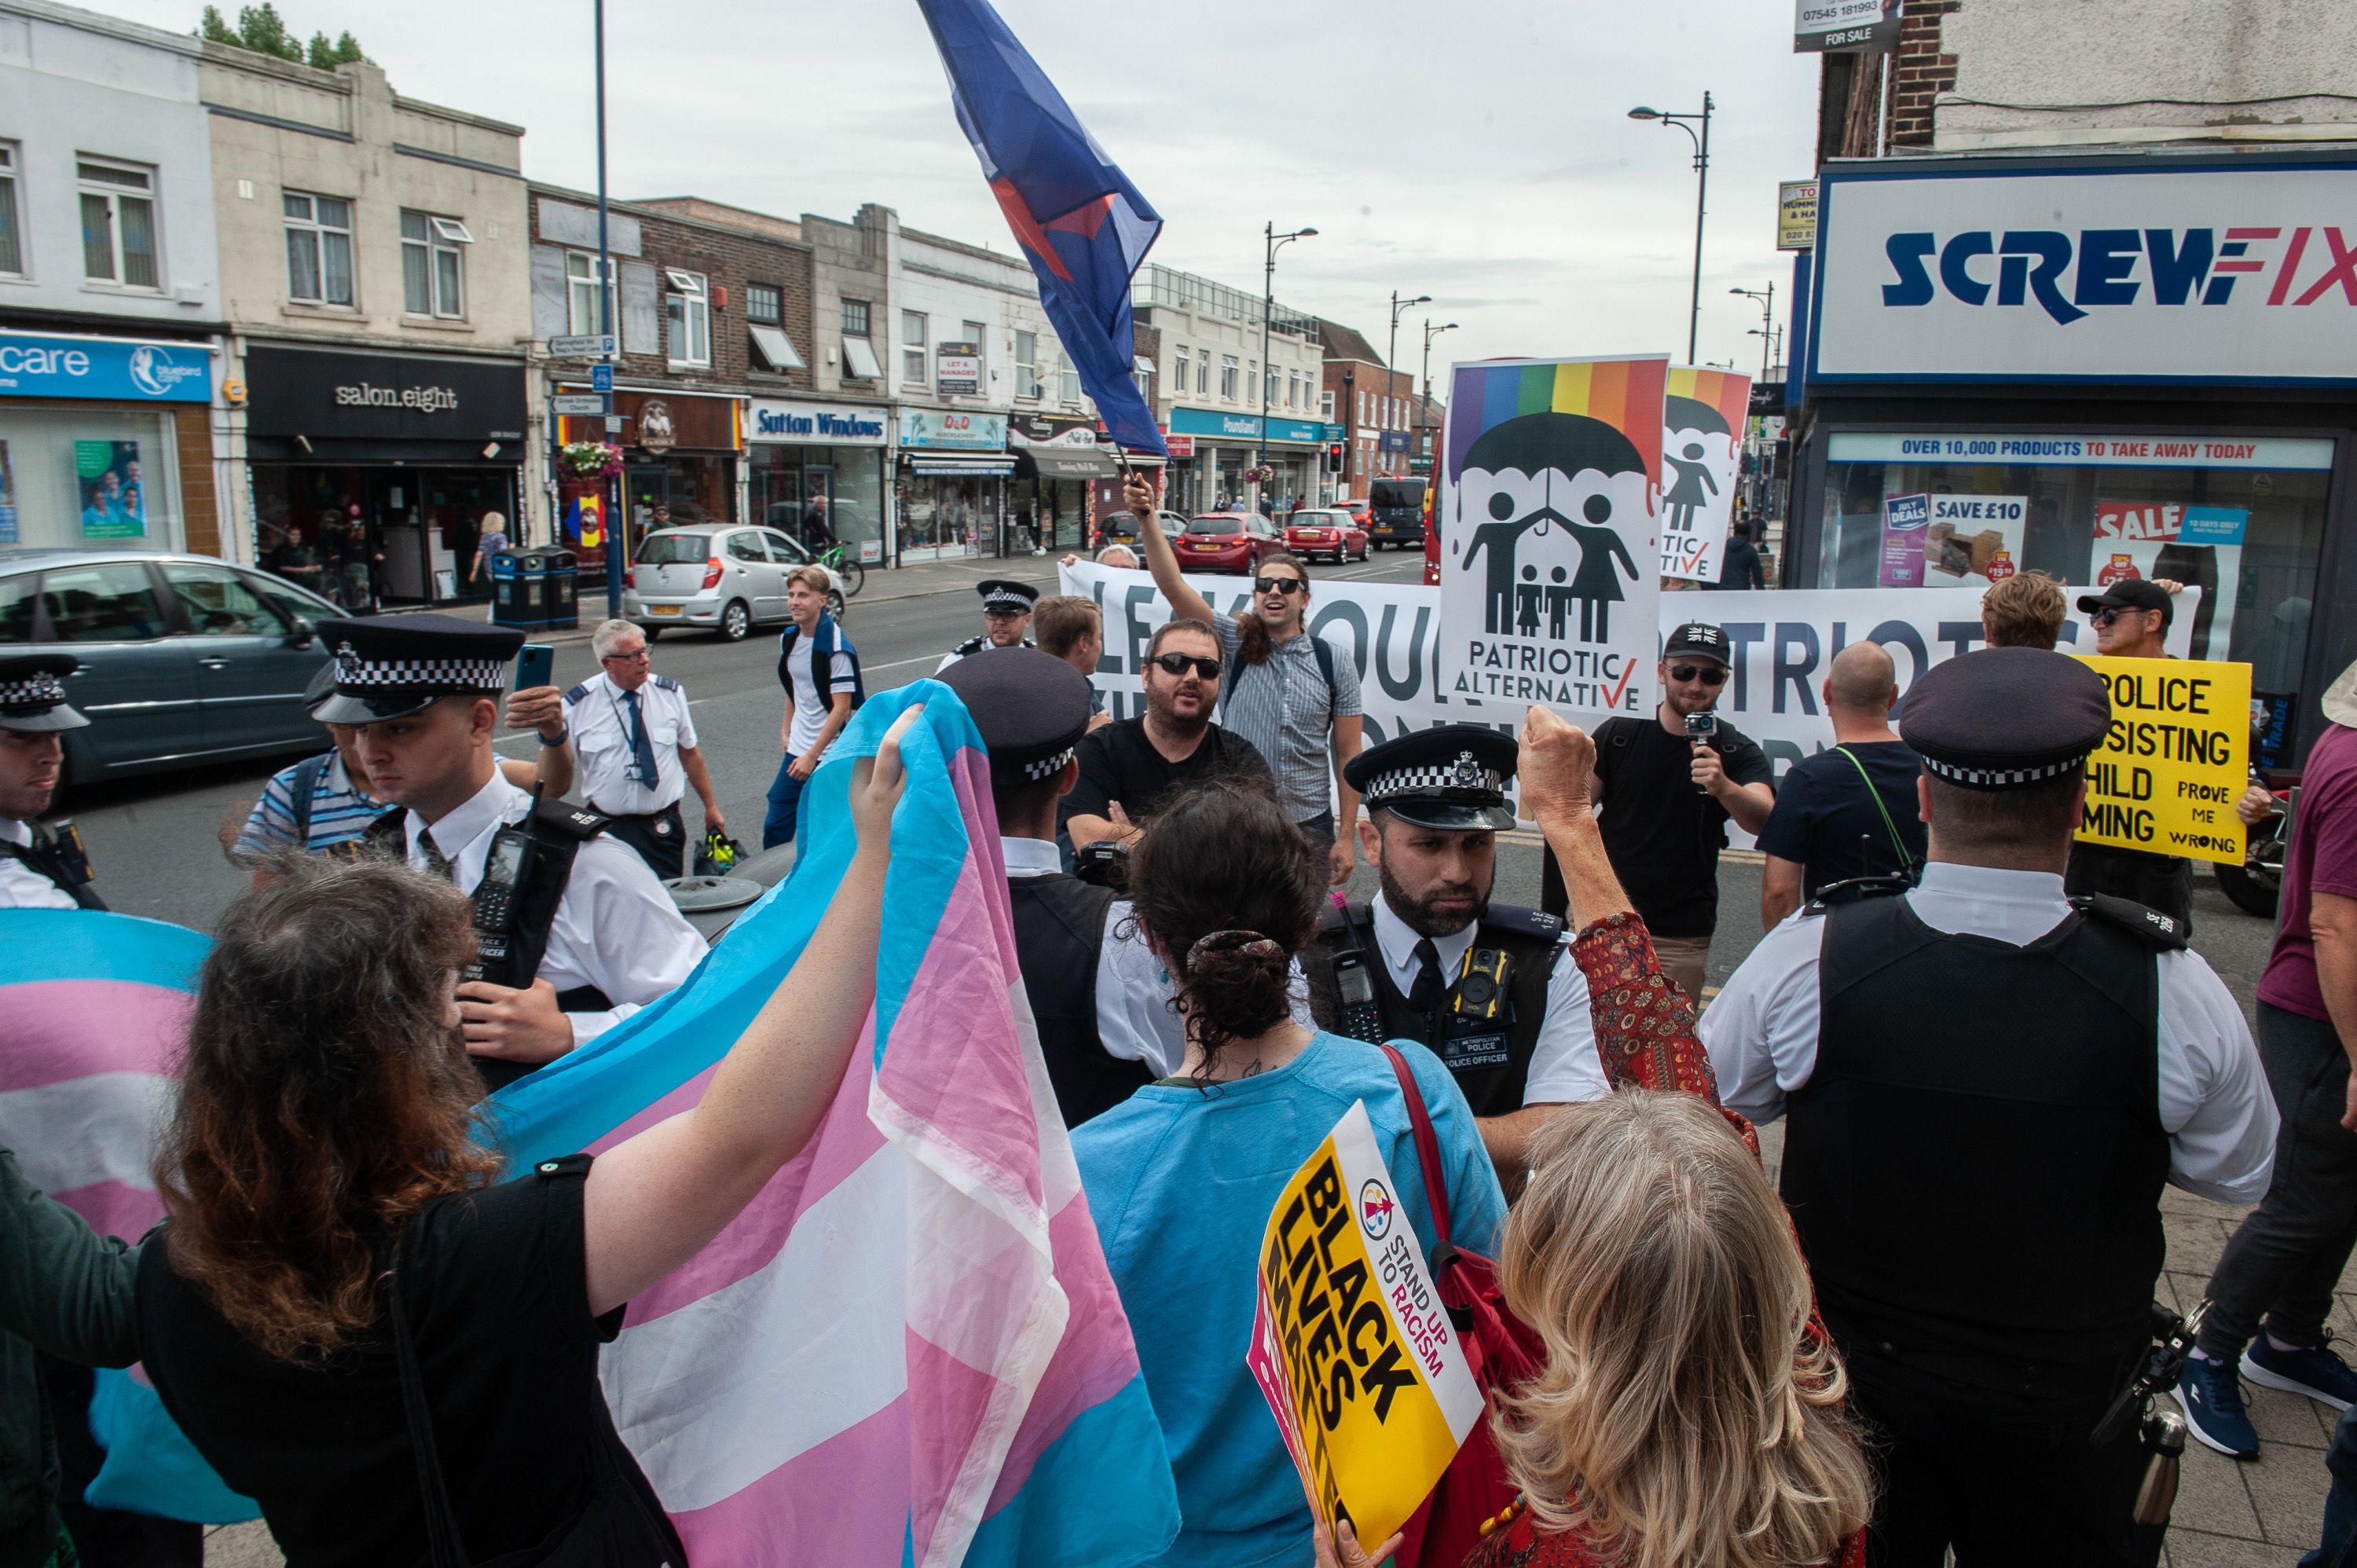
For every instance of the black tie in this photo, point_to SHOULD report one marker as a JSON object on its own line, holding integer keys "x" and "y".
{"x": 1430, "y": 986}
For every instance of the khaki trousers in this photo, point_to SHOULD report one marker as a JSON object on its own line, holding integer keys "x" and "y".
{"x": 1685, "y": 959}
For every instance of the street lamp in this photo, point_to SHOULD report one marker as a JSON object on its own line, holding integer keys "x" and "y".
{"x": 1273, "y": 242}
{"x": 1424, "y": 403}
{"x": 1390, "y": 350}
{"x": 1767, "y": 299}
{"x": 1701, "y": 183}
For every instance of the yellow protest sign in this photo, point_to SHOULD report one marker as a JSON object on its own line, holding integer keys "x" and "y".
{"x": 1351, "y": 1344}
{"x": 2176, "y": 759}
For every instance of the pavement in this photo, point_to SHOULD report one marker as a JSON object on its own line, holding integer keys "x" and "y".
{"x": 154, "y": 842}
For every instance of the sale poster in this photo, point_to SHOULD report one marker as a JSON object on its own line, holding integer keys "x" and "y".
{"x": 1702, "y": 448}
{"x": 2201, "y": 546}
{"x": 1974, "y": 542}
{"x": 1550, "y": 550}
{"x": 2175, "y": 760}
{"x": 1351, "y": 1344}
{"x": 1906, "y": 519}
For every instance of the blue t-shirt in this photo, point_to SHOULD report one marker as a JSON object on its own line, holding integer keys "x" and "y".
{"x": 1825, "y": 817}
{"x": 1181, "y": 1181}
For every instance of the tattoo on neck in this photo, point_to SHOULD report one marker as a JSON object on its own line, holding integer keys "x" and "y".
{"x": 1255, "y": 1068}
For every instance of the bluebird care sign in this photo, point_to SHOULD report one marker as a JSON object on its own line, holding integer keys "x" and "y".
{"x": 35, "y": 364}
{"x": 2184, "y": 274}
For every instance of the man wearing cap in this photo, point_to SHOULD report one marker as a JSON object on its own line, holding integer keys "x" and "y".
{"x": 1431, "y": 959}
{"x": 1988, "y": 1084}
{"x": 636, "y": 739}
{"x": 2131, "y": 620}
{"x": 1005, "y": 619}
{"x": 572, "y": 933}
{"x": 38, "y": 871}
{"x": 1669, "y": 784}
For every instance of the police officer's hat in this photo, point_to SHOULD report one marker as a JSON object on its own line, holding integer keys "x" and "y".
{"x": 1452, "y": 778}
{"x": 1001, "y": 596}
{"x": 2003, "y": 718}
{"x": 398, "y": 665}
{"x": 1031, "y": 707}
{"x": 33, "y": 693}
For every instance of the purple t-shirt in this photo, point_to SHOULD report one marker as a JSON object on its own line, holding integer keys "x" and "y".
{"x": 2323, "y": 860}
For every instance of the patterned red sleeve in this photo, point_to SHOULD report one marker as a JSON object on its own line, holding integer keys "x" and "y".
{"x": 1645, "y": 1024}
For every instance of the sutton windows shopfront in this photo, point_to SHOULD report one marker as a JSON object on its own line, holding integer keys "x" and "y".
{"x": 2058, "y": 366}
{"x": 816, "y": 472}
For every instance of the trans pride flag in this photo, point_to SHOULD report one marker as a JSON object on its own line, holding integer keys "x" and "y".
{"x": 908, "y": 1347}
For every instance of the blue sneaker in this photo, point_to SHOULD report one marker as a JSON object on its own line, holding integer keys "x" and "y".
{"x": 2212, "y": 1397}
{"x": 2314, "y": 1370}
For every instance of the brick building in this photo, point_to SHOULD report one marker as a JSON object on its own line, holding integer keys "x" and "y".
{"x": 1375, "y": 406}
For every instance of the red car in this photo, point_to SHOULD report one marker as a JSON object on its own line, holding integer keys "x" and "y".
{"x": 1329, "y": 531}
{"x": 1226, "y": 542}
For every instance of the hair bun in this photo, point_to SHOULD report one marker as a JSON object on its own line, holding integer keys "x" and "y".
{"x": 1245, "y": 944}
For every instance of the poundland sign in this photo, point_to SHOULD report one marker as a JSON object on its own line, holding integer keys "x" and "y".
{"x": 2186, "y": 274}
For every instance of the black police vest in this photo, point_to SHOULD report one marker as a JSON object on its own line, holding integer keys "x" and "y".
{"x": 42, "y": 858}
{"x": 557, "y": 832}
{"x": 1974, "y": 1167}
{"x": 1059, "y": 930}
{"x": 1491, "y": 1060}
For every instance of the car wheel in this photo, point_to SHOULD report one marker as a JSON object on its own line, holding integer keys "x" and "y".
{"x": 835, "y": 603}
{"x": 734, "y": 621}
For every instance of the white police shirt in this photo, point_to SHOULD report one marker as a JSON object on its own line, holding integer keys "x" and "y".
{"x": 1565, "y": 1066}
{"x": 1762, "y": 1031}
{"x": 1134, "y": 1019}
{"x": 616, "y": 928}
{"x": 22, "y": 887}
{"x": 599, "y": 717}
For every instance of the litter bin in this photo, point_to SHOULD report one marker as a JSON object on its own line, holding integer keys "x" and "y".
{"x": 559, "y": 575}
{"x": 516, "y": 594}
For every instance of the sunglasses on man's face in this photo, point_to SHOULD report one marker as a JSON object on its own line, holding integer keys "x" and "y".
{"x": 1709, "y": 674}
{"x": 1280, "y": 585}
{"x": 1179, "y": 664}
{"x": 2106, "y": 616}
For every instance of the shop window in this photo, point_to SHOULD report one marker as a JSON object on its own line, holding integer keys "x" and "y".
{"x": 433, "y": 266}
{"x": 318, "y": 248}
{"x": 218, "y": 602}
{"x": 687, "y": 320}
{"x": 118, "y": 224}
{"x": 1027, "y": 364}
{"x": 1230, "y": 371}
{"x": 581, "y": 302}
{"x": 111, "y": 603}
{"x": 764, "y": 304}
{"x": 914, "y": 326}
{"x": 12, "y": 238}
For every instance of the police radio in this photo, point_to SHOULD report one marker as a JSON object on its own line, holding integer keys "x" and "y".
{"x": 495, "y": 903}
{"x": 65, "y": 842}
{"x": 1361, "y": 1018}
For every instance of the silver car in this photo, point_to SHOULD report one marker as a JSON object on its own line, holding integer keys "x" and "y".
{"x": 180, "y": 658}
{"x": 718, "y": 577}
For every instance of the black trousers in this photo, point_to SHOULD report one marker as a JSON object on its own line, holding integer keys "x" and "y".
{"x": 2286, "y": 1256}
{"x": 2005, "y": 1482}
{"x": 660, "y": 840}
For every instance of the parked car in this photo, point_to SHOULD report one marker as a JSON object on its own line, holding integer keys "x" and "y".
{"x": 1121, "y": 528}
{"x": 1356, "y": 506}
{"x": 180, "y": 658}
{"x": 716, "y": 578}
{"x": 1226, "y": 542}
{"x": 1327, "y": 531}
{"x": 1395, "y": 512}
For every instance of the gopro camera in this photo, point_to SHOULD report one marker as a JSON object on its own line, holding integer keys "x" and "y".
{"x": 1701, "y": 726}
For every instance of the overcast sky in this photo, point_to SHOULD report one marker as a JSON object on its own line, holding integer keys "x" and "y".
{"x": 1477, "y": 150}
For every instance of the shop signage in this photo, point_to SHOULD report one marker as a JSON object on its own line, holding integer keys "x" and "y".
{"x": 658, "y": 424}
{"x": 2257, "y": 453}
{"x": 2186, "y": 275}
{"x": 1796, "y": 215}
{"x": 383, "y": 397}
{"x": 776, "y": 420}
{"x": 959, "y": 432}
{"x": 1247, "y": 426}
{"x": 1182, "y": 448}
{"x": 957, "y": 370}
{"x": 36, "y": 364}
{"x": 657, "y": 433}
{"x": 1052, "y": 430}
{"x": 1869, "y": 27}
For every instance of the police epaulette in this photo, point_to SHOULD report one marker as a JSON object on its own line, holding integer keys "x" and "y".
{"x": 1860, "y": 887}
{"x": 578, "y": 693}
{"x": 665, "y": 682}
{"x": 2166, "y": 933}
{"x": 573, "y": 821}
{"x": 1523, "y": 921}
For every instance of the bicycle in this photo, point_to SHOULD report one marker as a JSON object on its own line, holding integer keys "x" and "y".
{"x": 846, "y": 567}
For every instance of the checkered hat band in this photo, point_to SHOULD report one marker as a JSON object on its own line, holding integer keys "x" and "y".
{"x": 1049, "y": 767}
{"x": 1999, "y": 778}
{"x": 1430, "y": 779}
{"x": 37, "y": 690}
{"x": 1015, "y": 602}
{"x": 356, "y": 673}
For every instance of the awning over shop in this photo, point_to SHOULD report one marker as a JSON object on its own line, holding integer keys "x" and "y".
{"x": 1046, "y": 464}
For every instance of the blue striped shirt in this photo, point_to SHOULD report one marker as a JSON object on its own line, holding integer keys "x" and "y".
{"x": 338, "y": 812}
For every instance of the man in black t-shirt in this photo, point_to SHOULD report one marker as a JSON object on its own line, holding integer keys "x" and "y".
{"x": 2131, "y": 621}
{"x": 1127, "y": 767}
{"x": 1667, "y": 800}
{"x": 1851, "y": 811}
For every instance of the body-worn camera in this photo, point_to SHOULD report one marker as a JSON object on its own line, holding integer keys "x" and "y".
{"x": 1104, "y": 864}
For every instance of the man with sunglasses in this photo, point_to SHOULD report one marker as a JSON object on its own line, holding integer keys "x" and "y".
{"x": 2131, "y": 621}
{"x": 1668, "y": 793}
{"x": 1129, "y": 765}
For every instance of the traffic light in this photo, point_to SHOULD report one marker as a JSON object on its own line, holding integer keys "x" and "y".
{"x": 1333, "y": 457}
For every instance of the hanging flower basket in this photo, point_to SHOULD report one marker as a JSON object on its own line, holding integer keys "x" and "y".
{"x": 591, "y": 459}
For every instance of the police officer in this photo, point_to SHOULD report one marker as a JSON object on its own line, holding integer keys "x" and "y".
{"x": 1485, "y": 986}
{"x": 38, "y": 871}
{"x": 1989, "y": 1083}
{"x": 637, "y": 744}
{"x": 573, "y": 934}
{"x": 1005, "y": 619}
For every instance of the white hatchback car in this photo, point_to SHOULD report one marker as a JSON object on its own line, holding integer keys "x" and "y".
{"x": 719, "y": 577}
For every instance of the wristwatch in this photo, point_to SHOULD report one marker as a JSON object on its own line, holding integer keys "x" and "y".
{"x": 562, "y": 737}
